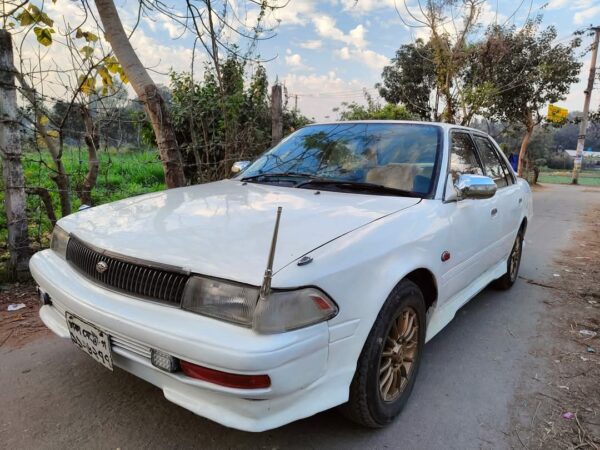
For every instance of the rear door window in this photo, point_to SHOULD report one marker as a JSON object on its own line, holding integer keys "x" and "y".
{"x": 494, "y": 168}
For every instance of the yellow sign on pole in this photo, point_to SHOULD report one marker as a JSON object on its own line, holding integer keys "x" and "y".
{"x": 557, "y": 114}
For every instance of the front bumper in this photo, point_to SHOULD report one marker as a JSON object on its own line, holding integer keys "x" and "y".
{"x": 303, "y": 380}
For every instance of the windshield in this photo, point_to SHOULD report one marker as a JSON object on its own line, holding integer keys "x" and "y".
{"x": 398, "y": 156}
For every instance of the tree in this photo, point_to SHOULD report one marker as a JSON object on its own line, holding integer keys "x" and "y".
{"x": 372, "y": 110}
{"x": 411, "y": 80}
{"x": 146, "y": 91}
{"x": 450, "y": 24}
{"x": 530, "y": 71}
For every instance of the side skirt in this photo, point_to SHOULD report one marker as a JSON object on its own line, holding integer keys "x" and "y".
{"x": 445, "y": 313}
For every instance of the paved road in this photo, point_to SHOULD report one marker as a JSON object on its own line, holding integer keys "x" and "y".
{"x": 54, "y": 396}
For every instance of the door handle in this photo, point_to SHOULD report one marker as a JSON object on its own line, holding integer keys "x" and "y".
{"x": 494, "y": 211}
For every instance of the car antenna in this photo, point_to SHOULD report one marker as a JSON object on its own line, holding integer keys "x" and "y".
{"x": 265, "y": 289}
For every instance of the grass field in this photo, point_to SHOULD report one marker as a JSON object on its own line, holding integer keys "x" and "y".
{"x": 122, "y": 174}
{"x": 586, "y": 177}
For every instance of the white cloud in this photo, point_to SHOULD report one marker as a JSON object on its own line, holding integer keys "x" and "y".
{"x": 370, "y": 58}
{"x": 366, "y": 6}
{"x": 326, "y": 27}
{"x": 586, "y": 14}
{"x": 294, "y": 60}
{"x": 312, "y": 45}
{"x": 556, "y": 4}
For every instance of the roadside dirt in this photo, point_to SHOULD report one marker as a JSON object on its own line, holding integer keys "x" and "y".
{"x": 558, "y": 401}
{"x": 17, "y": 328}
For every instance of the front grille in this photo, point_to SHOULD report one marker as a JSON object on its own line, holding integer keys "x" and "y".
{"x": 139, "y": 279}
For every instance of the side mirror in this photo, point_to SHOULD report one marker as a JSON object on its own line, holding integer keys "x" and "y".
{"x": 239, "y": 166}
{"x": 475, "y": 187}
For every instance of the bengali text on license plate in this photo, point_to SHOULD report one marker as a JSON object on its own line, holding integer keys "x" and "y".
{"x": 90, "y": 339}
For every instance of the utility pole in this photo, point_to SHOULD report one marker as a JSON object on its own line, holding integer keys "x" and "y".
{"x": 276, "y": 114}
{"x": 296, "y": 103}
{"x": 586, "y": 109}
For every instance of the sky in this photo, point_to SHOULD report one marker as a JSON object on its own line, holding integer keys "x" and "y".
{"x": 326, "y": 52}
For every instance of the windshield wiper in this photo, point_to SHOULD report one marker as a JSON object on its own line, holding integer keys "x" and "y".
{"x": 357, "y": 186}
{"x": 278, "y": 175}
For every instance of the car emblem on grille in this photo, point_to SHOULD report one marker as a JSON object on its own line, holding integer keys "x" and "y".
{"x": 101, "y": 267}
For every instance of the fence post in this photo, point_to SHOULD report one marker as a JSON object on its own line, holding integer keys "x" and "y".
{"x": 276, "y": 114}
{"x": 12, "y": 172}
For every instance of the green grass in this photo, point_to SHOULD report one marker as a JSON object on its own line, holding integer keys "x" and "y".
{"x": 586, "y": 177}
{"x": 122, "y": 174}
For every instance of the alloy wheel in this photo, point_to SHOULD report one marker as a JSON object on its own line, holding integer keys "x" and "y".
{"x": 399, "y": 355}
{"x": 515, "y": 259}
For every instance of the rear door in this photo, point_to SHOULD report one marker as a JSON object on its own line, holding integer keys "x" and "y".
{"x": 473, "y": 225}
{"x": 508, "y": 203}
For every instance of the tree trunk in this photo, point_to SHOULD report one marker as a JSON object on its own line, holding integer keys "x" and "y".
{"x": 147, "y": 92}
{"x": 47, "y": 201}
{"x": 60, "y": 177}
{"x": 523, "y": 152}
{"x": 92, "y": 141}
{"x": 11, "y": 152}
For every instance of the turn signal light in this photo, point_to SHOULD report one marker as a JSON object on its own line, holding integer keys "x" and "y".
{"x": 232, "y": 380}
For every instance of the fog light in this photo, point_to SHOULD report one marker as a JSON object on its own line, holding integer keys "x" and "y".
{"x": 233, "y": 380}
{"x": 164, "y": 361}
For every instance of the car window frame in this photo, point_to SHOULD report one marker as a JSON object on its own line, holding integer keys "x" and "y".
{"x": 508, "y": 176}
{"x": 477, "y": 155}
{"x": 498, "y": 157}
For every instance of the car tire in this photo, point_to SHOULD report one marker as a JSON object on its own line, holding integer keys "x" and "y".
{"x": 506, "y": 281}
{"x": 370, "y": 404}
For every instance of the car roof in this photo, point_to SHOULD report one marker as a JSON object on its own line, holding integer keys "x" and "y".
{"x": 443, "y": 125}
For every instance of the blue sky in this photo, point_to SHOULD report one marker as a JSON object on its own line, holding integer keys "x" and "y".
{"x": 327, "y": 51}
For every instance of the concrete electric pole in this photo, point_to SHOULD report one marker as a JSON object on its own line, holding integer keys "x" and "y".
{"x": 586, "y": 108}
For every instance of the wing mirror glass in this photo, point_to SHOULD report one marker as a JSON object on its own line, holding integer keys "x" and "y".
{"x": 239, "y": 166}
{"x": 474, "y": 186}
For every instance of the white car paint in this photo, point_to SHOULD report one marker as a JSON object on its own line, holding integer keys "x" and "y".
{"x": 361, "y": 245}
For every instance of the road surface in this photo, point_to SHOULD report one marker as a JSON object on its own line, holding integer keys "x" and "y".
{"x": 54, "y": 396}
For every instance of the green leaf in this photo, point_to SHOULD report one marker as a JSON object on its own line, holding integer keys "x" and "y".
{"x": 39, "y": 16}
{"x": 87, "y": 51}
{"x": 25, "y": 18}
{"x": 112, "y": 64}
{"x": 88, "y": 84}
{"x": 106, "y": 76}
{"x": 44, "y": 35}
{"x": 89, "y": 36}
{"x": 53, "y": 133}
{"x": 122, "y": 75}
{"x": 44, "y": 120}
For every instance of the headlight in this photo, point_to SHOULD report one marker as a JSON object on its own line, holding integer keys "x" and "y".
{"x": 280, "y": 311}
{"x": 60, "y": 239}
{"x": 222, "y": 300}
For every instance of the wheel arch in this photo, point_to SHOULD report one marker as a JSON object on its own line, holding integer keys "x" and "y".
{"x": 523, "y": 226}
{"x": 426, "y": 282}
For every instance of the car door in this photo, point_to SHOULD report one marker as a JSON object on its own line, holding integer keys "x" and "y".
{"x": 508, "y": 201}
{"x": 473, "y": 223}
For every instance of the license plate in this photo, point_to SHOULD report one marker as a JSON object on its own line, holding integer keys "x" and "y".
{"x": 90, "y": 339}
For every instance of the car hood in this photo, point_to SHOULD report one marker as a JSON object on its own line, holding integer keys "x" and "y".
{"x": 224, "y": 229}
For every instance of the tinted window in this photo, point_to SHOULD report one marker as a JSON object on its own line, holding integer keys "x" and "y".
{"x": 491, "y": 161}
{"x": 463, "y": 159}
{"x": 400, "y": 156}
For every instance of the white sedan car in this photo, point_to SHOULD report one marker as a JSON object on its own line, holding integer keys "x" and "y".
{"x": 311, "y": 279}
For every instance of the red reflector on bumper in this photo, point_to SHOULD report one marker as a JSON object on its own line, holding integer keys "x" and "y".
{"x": 232, "y": 380}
